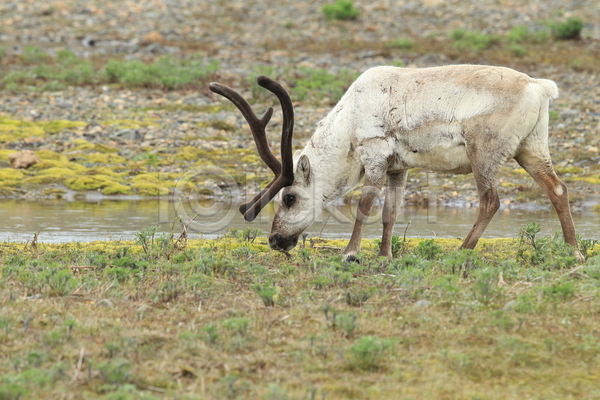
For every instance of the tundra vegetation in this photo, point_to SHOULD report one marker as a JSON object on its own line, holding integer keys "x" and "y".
{"x": 170, "y": 317}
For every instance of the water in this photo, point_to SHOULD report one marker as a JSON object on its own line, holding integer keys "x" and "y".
{"x": 83, "y": 221}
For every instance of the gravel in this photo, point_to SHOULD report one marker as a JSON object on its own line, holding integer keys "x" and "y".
{"x": 245, "y": 34}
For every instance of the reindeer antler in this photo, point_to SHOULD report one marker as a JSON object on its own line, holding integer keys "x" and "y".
{"x": 284, "y": 170}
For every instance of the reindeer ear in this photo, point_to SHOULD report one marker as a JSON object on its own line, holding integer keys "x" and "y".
{"x": 302, "y": 174}
{"x": 297, "y": 156}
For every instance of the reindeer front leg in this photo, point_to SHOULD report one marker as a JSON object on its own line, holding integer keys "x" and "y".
{"x": 393, "y": 201}
{"x": 370, "y": 191}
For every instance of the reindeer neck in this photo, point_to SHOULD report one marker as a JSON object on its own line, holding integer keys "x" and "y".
{"x": 335, "y": 167}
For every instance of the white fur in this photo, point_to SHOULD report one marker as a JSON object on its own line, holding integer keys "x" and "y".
{"x": 393, "y": 119}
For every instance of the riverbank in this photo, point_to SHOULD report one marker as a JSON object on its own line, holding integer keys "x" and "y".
{"x": 94, "y": 132}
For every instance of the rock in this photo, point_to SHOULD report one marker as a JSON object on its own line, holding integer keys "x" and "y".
{"x": 133, "y": 135}
{"x": 153, "y": 38}
{"x": 23, "y": 159}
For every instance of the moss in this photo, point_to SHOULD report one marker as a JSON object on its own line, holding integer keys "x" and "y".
{"x": 131, "y": 123}
{"x": 60, "y": 125}
{"x": 4, "y": 153}
{"x": 51, "y": 175}
{"x": 12, "y": 130}
{"x": 105, "y": 158}
{"x": 10, "y": 177}
{"x": 568, "y": 170}
{"x": 105, "y": 171}
{"x": 150, "y": 189}
{"x": 153, "y": 184}
{"x": 102, "y": 148}
{"x": 594, "y": 180}
{"x": 62, "y": 162}
{"x": 47, "y": 155}
{"x": 519, "y": 171}
{"x": 251, "y": 159}
{"x": 187, "y": 153}
{"x": 116, "y": 188}
{"x": 95, "y": 182}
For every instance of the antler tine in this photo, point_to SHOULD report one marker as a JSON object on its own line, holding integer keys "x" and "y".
{"x": 257, "y": 126}
{"x": 286, "y": 177}
{"x": 287, "y": 130}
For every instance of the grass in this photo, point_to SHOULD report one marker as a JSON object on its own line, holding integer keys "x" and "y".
{"x": 472, "y": 41}
{"x": 340, "y": 10}
{"x": 41, "y": 71}
{"x": 567, "y": 30}
{"x": 170, "y": 317}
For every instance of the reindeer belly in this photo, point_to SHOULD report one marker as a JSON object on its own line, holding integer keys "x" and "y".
{"x": 445, "y": 157}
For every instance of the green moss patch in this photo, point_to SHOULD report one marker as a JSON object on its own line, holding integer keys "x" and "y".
{"x": 105, "y": 158}
{"x": 12, "y": 130}
{"x": 594, "y": 180}
{"x": 153, "y": 184}
{"x": 47, "y": 155}
{"x": 10, "y": 177}
{"x": 106, "y": 184}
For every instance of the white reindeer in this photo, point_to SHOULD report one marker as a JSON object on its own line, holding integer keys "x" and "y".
{"x": 457, "y": 119}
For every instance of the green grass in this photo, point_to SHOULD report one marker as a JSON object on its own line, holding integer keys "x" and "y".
{"x": 401, "y": 43}
{"x": 340, "y": 10}
{"x": 167, "y": 317}
{"x": 567, "y": 30}
{"x": 472, "y": 41}
{"x": 37, "y": 69}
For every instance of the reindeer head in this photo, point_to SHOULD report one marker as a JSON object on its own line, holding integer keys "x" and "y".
{"x": 296, "y": 210}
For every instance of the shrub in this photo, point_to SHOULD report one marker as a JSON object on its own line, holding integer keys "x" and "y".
{"x": 369, "y": 353}
{"x": 568, "y": 30}
{"x": 340, "y": 10}
{"x": 428, "y": 249}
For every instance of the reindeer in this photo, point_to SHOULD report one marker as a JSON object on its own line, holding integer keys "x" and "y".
{"x": 455, "y": 119}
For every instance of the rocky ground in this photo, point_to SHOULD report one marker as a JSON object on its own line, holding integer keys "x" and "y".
{"x": 136, "y": 141}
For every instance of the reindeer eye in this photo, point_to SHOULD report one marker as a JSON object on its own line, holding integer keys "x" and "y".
{"x": 289, "y": 200}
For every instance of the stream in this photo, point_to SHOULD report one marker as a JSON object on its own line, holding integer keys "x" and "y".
{"x": 60, "y": 221}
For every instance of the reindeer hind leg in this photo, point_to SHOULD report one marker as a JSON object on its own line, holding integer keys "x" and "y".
{"x": 541, "y": 170}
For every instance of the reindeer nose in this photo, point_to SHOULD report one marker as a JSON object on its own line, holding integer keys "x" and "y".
{"x": 279, "y": 242}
